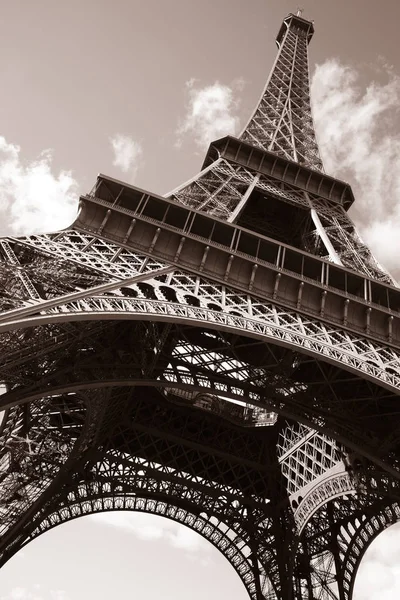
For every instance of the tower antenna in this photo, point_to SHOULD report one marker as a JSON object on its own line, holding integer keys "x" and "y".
{"x": 299, "y": 12}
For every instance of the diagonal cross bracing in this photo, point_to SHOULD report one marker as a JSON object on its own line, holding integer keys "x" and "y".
{"x": 227, "y": 357}
{"x": 282, "y": 122}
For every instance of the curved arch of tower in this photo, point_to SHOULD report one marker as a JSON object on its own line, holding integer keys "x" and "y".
{"x": 83, "y": 501}
{"x": 227, "y": 357}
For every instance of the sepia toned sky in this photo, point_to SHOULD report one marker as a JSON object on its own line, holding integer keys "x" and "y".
{"x": 137, "y": 89}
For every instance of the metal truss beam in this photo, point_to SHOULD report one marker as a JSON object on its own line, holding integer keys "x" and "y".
{"x": 227, "y": 357}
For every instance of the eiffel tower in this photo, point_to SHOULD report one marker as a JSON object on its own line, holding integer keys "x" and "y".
{"x": 226, "y": 357}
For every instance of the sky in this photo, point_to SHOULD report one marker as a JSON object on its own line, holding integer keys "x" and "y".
{"x": 137, "y": 90}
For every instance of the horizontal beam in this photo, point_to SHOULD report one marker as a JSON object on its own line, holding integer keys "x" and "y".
{"x": 248, "y": 262}
{"x": 283, "y": 170}
{"x": 44, "y": 305}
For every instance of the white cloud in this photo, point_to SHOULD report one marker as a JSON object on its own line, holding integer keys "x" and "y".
{"x": 379, "y": 573}
{"x": 210, "y": 112}
{"x": 359, "y": 135}
{"x": 150, "y": 527}
{"x": 127, "y": 153}
{"x": 35, "y": 593}
{"x": 32, "y": 198}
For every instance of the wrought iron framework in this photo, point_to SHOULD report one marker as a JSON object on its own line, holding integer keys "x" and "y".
{"x": 260, "y": 406}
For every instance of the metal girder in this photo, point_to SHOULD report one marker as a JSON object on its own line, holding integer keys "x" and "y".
{"x": 282, "y": 122}
{"x": 226, "y": 364}
{"x": 152, "y": 353}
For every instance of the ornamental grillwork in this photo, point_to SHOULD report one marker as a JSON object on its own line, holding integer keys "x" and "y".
{"x": 227, "y": 357}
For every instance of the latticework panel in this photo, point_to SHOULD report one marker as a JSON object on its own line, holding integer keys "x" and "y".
{"x": 216, "y": 532}
{"x": 355, "y": 539}
{"x": 174, "y": 296}
{"x": 215, "y": 481}
{"x": 307, "y": 459}
{"x": 282, "y": 122}
{"x": 39, "y": 443}
{"x": 223, "y": 189}
{"x": 133, "y": 380}
{"x": 334, "y": 542}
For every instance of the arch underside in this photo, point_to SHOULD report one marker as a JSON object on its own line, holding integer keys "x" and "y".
{"x": 196, "y": 336}
{"x": 131, "y": 458}
{"x": 364, "y": 532}
{"x": 221, "y": 522}
{"x": 293, "y": 380}
{"x": 106, "y": 352}
{"x": 81, "y": 261}
{"x": 337, "y": 538}
{"x": 220, "y": 535}
{"x": 203, "y": 474}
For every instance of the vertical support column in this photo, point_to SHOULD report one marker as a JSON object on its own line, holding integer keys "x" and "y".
{"x": 334, "y": 548}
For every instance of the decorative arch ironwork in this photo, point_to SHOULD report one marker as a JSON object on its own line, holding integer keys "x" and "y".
{"x": 224, "y": 539}
{"x": 297, "y": 320}
{"x": 356, "y": 541}
{"x": 187, "y": 366}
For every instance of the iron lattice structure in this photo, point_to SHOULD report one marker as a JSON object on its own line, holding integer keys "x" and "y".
{"x": 228, "y": 357}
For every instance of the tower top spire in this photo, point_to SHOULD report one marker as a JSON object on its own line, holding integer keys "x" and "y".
{"x": 282, "y": 122}
{"x": 299, "y": 23}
